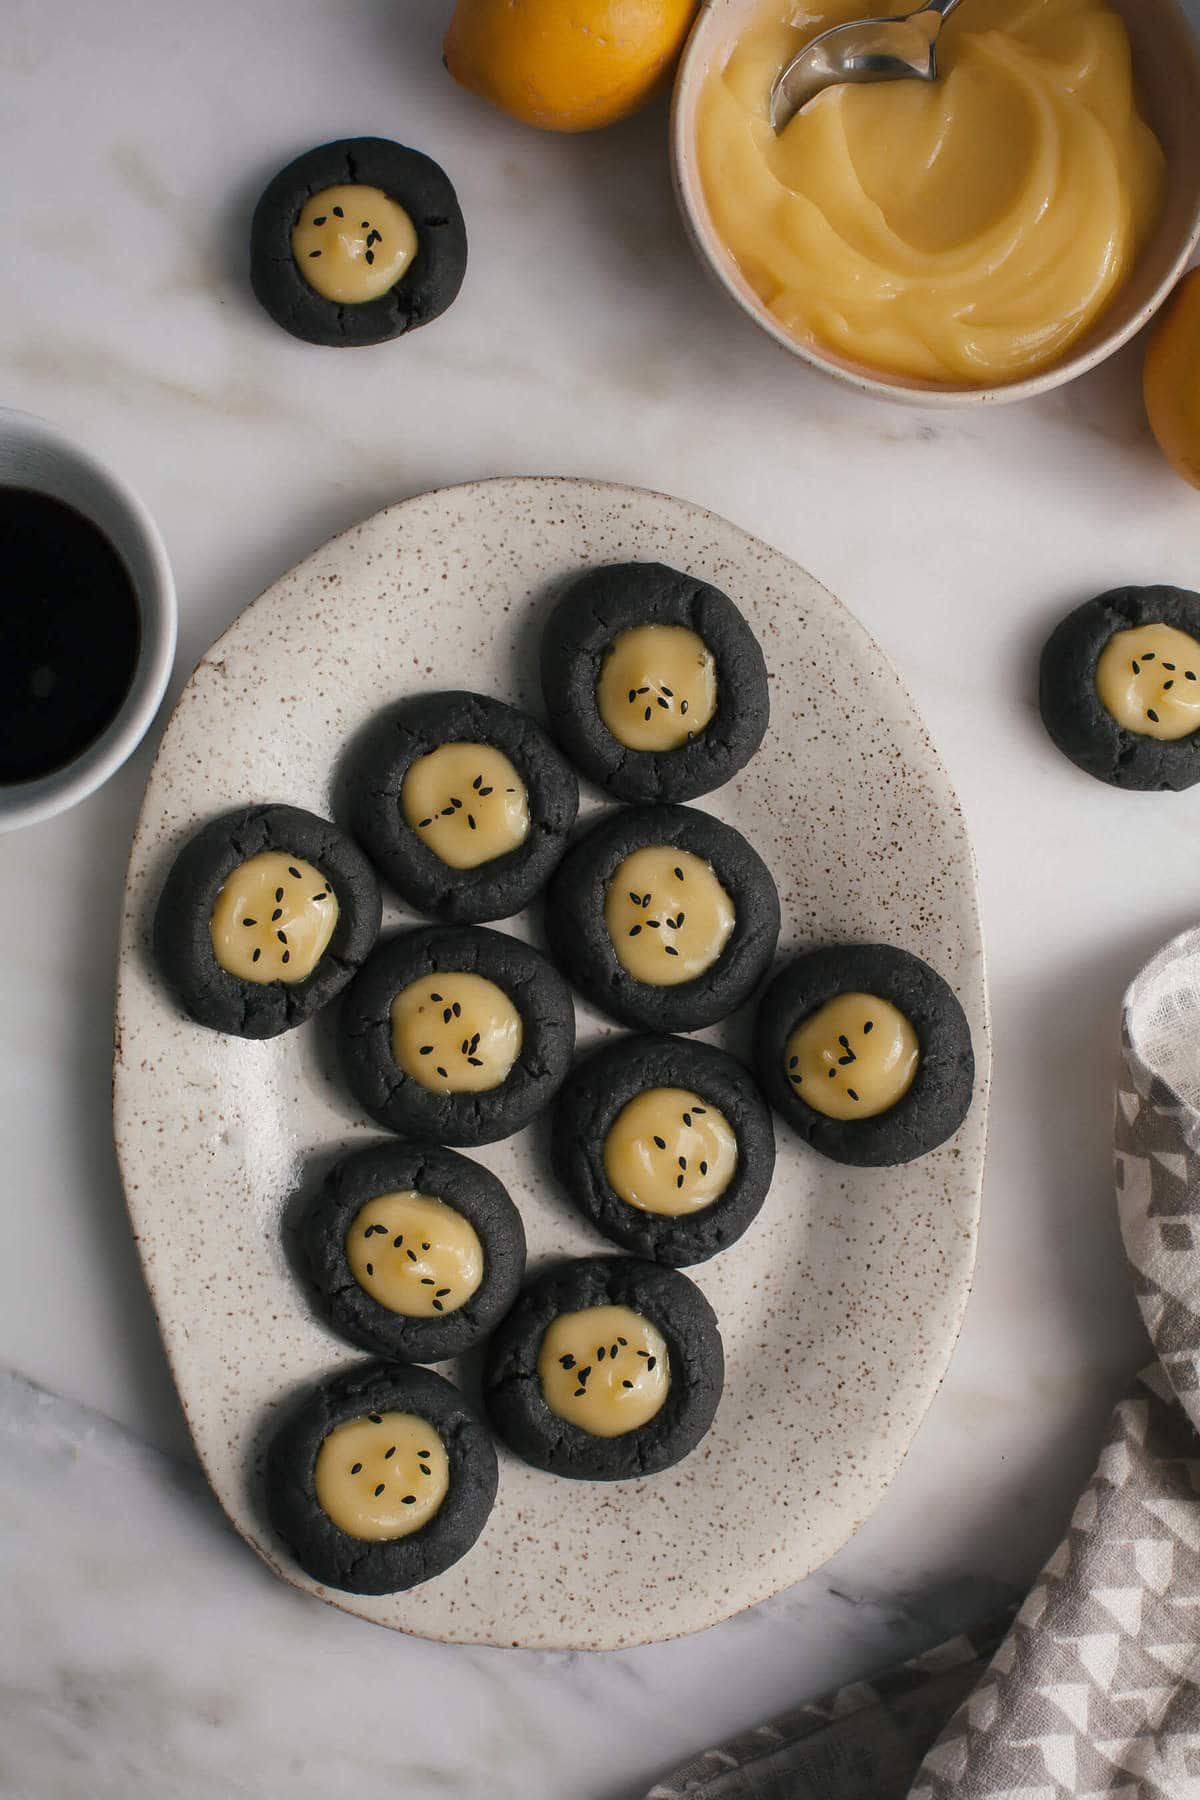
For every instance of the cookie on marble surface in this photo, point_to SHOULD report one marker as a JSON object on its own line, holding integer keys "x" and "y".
{"x": 357, "y": 242}
{"x": 382, "y": 1478}
{"x": 664, "y": 916}
{"x": 654, "y": 683}
{"x": 866, "y": 1052}
{"x": 665, "y": 1145}
{"x": 1119, "y": 687}
{"x": 454, "y": 1034}
{"x": 415, "y": 1253}
{"x": 606, "y": 1368}
{"x": 463, "y": 803}
{"x": 265, "y": 916}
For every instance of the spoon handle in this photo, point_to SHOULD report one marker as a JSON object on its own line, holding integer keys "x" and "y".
{"x": 942, "y": 7}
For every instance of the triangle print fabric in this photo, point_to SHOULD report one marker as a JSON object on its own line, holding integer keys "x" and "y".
{"x": 1094, "y": 1692}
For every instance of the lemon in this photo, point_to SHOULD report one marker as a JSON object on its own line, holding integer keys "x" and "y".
{"x": 566, "y": 65}
{"x": 1171, "y": 379}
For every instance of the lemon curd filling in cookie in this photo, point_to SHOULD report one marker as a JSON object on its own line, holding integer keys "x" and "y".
{"x": 414, "y": 1254}
{"x": 455, "y": 1033}
{"x": 467, "y": 802}
{"x": 667, "y": 914}
{"x": 604, "y": 1369}
{"x": 353, "y": 243}
{"x": 1148, "y": 678}
{"x": 657, "y": 687}
{"x": 853, "y": 1058}
{"x": 382, "y": 1476}
{"x": 273, "y": 919}
{"x": 670, "y": 1152}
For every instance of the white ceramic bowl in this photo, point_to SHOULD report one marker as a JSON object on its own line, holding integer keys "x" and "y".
{"x": 1167, "y": 60}
{"x": 33, "y": 454}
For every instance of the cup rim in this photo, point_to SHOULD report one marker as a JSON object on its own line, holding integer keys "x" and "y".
{"x": 30, "y": 802}
{"x": 717, "y": 264}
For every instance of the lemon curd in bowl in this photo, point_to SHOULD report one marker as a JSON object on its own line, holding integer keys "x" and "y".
{"x": 963, "y": 233}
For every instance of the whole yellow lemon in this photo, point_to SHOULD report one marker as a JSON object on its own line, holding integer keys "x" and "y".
{"x": 566, "y": 65}
{"x": 1171, "y": 379}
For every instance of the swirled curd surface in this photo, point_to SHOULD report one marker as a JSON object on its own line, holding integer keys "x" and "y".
{"x": 966, "y": 231}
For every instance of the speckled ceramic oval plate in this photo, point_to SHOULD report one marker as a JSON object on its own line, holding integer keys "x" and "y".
{"x": 841, "y": 1305}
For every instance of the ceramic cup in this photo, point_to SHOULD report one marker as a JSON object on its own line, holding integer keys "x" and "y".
{"x": 33, "y": 454}
{"x": 1167, "y": 62}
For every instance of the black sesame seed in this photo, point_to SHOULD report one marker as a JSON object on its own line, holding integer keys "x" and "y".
{"x": 294, "y": 872}
{"x": 338, "y": 213}
{"x": 425, "y": 1050}
{"x": 1137, "y": 668}
{"x": 356, "y": 1468}
{"x": 370, "y": 1268}
{"x": 389, "y": 1453}
{"x": 613, "y": 1350}
{"x": 475, "y": 1043}
{"x": 424, "y": 1470}
{"x": 1170, "y": 666}
{"x": 654, "y": 924}
{"x": 366, "y": 225}
{"x": 442, "y": 1072}
{"x": 852, "y": 1093}
{"x": 670, "y": 950}
{"x": 833, "y": 1074}
{"x": 1189, "y": 674}
{"x": 412, "y": 1255}
{"x": 277, "y": 914}
{"x": 282, "y": 936}
{"x": 447, "y": 1016}
{"x": 679, "y": 874}
{"x": 408, "y": 1500}
{"x": 704, "y": 1168}
{"x": 375, "y": 1418}
{"x": 471, "y": 820}
{"x": 632, "y": 695}
{"x": 465, "y": 1047}
{"x": 398, "y": 1241}
{"x": 661, "y": 1142}
{"x": 624, "y": 1341}
{"x": 687, "y": 1119}
{"x": 567, "y": 1361}
{"x": 456, "y": 804}
{"x": 286, "y": 957}
{"x": 651, "y": 1362}
{"x": 422, "y": 823}
{"x": 1148, "y": 655}
{"x": 584, "y": 1373}
{"x": 600, "y": 1354}
{"x": 436, "y": 997}
{"x": 424, "y": 1246}
{"x": 669, "y": 692}
{"x": 1167, "y": 684}
{"x": 1151, "y": 714}
{"x": 427, "y": 1281}
{"x": 456, "y": 1009}
{"x": 314, "y": 253}
{"x": 438, "y": 1307}
{"x": 634, "y": 930}
{"x": 869, "y": 1026}
{"x": 649, "y": 712}
{"x": 256, "y": 956}
{"x": 666, "y": 705}
{"x": 643, "y": 1353}
{"x": 279, "y": 893}
{"x": 699, "y": 1109}
{"x": 319, "y": 221}
{"x": 636, "y": 898}
{"x": 679, "y": 1181}
{"x": 447, "y": 812}
{"x": 476, "y": 1062}
{"x": 485, "y": 791}
{"x": 580, "y": 1394}
{"x": 477, "y": 783}
{"x": 442, "y": 1292}
{"x": 683, "y": 705}
{"x": 370, "y": 256}
{"x": 249, "y": 921}
{"x": 683, "y": 1162}
{"x": 627, "y": 1384}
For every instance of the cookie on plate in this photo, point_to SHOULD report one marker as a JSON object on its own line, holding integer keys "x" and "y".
{"x": 606, "y": 1368}
{"x": 463, "y": 803}
{"x": 455, "y": 1034}
{"x": 357, "y": 242}
{"x": 866, "y": 1052}
{"x": 664, "y": 916}
{"x": 666, "y": 1145}
{"x": 414, "y": 1252}
{"x": 263, "y": 919}
{"x": 654, "y": 683}
{"x": 1120, "y": 687}
{"x": 381, "y": 1479}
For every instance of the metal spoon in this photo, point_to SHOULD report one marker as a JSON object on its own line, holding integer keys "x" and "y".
{"x": 897, "y": 49}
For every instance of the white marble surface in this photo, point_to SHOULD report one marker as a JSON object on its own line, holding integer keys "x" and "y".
{"x": 146, "y": 1650}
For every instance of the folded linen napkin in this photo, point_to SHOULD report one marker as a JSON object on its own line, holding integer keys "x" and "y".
{"x": 1094, "y": 1691}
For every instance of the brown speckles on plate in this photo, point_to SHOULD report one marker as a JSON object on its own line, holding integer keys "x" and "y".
{"x": 840, "y": 1309}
